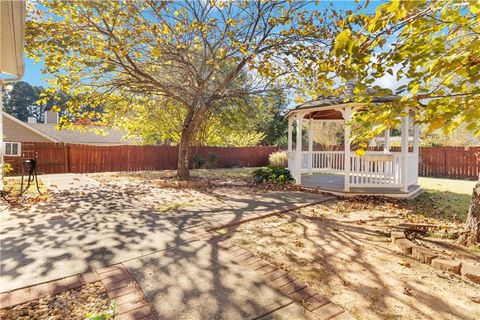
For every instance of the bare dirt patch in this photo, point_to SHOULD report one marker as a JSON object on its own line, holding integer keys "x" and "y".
{"x": 72, "y": 304}
{"x": 208, "y": 189}
{"x": 342, "y": 248}
{"x": 201, "y": 179}
{"x": 216, "y": 175}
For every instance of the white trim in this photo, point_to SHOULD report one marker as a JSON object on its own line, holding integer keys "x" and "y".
{"x": 310, "y": 146}
{"x": 328, "y": 120}
{"x": 1, "y": 138}
{"x": 404, "y": 149}
{"x": 337, "y": 107}
{"x": 386, "y": 141}
{"x": 19, "y": 149}
{"x": 28, "y": 127}
{"x": 298, "y": 149}
{"x": 350, "y": 194}
{"x": 377, "y": 185}
{"x": 290, "y": 129}
{"x": 416, "y": 149}
{"x": 347, "y": 115}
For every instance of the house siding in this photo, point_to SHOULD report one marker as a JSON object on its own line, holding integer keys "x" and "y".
{"x": 15, "y": 132}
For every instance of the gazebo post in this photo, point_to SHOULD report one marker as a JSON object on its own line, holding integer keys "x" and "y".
{"x": 298, "y": 150}
{"x": 291, "y": 164}
{"x": 347, "y": 115}
{"x": 416, "y": 148}
{"x": 290, "y": 129}
{"x": 404, "y": 134}
{"x": 386, "y": 142}
{"x": 310, "y": 146}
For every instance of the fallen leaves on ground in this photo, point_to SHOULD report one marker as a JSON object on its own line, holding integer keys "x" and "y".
{"x": 404, "y": 263}
{"x": 407, "y": 291}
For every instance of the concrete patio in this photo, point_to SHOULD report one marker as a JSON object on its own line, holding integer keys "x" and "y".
{"x": 90, "y": 226}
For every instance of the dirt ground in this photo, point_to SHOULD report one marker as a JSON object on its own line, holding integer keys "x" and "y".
{"x": 342, "y": 248}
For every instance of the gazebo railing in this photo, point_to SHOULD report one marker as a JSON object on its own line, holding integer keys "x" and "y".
{"x": 374, "y": 169}
{"x": 324, "y": 161}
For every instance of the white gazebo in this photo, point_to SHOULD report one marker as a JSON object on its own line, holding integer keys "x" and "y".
{"x": 382, "y": 172}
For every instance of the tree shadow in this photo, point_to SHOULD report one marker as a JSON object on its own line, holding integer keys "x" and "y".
{"x": 333, "y": 257}
{"x": 180, "y": 275}
{"x": 76, "y": 230}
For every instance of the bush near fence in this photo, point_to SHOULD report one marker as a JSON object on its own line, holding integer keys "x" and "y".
{"x": 449, "y": 162}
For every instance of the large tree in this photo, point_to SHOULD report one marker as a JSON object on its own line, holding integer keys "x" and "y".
{"x": 20, "y": 102}
{"x": 432, "y": 47}
{"x": 227, "y": 126}
{"x": 186, "y": 53}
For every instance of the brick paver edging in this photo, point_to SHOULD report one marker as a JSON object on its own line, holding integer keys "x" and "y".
{"x": 120, "y": 285}
{"x": 313, "y": 302}
{"x": 427, "y": 256}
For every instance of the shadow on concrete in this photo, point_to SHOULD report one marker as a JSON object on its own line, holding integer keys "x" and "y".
{"x": 77, "y": 230}
{"x": 181, "y": 276}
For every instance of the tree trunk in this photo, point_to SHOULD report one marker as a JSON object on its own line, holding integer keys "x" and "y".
{"x": 471, "y": 233}
{"x": 189, "y": 130}
{"x": 183, "y": 166}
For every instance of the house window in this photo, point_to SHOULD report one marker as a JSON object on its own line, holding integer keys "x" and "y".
{"x": 12, "y": 149}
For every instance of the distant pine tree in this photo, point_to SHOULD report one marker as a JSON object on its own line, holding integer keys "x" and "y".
{"x": 21, "y": 100}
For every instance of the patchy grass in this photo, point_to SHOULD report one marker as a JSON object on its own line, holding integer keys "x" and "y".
{"x": 444, "y": 198}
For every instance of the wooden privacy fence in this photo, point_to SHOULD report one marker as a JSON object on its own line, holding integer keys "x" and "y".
{"x": 77, "y": 158}
{"x": 451, "y": 162}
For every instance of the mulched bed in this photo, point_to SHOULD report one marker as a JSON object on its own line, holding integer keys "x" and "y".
{"x": 71, "y": 304}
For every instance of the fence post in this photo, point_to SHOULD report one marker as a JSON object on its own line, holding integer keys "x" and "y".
{"x": 445, "y": 167}
{"x": 66, "y": 159}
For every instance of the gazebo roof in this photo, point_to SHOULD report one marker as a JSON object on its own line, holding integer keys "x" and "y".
{"x": 326, "y": 108}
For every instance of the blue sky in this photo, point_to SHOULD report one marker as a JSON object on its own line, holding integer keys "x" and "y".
{"x": 34, "y": 75}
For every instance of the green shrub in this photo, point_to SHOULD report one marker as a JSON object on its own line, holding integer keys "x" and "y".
{"x": 107, "y": 315}
{"x": 211, "y": 161}
{"x": 278, "y": 159}
{"x": 272, "y": 174}
{"x": 197, "y": 162}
